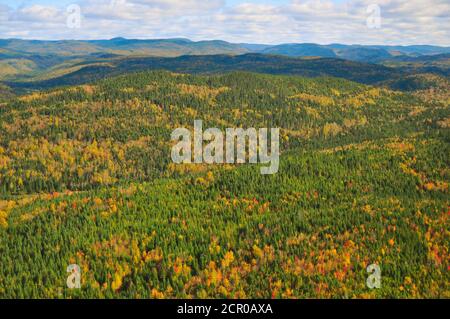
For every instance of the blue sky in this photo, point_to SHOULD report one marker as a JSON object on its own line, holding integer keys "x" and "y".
{"x": 252, "y": 21}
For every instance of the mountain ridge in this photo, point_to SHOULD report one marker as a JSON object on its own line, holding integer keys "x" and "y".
{"x": 68, "y": 62}
{"x": 212, "y": 64}
{"x": 183, "y": 46}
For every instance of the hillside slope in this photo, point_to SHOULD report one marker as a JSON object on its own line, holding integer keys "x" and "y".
{"x": 308, "y": 67}
{"x": 86, "y": 178}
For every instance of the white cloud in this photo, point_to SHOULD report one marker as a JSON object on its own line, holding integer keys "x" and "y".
{"x": 38, "y": 13}
{"x": 320, "y": 21}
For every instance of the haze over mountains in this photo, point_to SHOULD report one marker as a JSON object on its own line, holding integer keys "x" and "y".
{"x": 177, "y": 47}
{"x": 29, "y": 64}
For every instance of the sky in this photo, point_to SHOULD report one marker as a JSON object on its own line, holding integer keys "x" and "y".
{"x": 392, "y": 22}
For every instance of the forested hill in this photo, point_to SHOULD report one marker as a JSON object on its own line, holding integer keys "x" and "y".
{"x": 309, "y": 67}
{"x": 131, "y": 116}
{"x": 5, "y": 93}
{"x": 46, "y": 64}
{"x": 86, "y": 178}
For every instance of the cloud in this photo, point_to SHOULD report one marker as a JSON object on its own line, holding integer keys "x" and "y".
{"x": 4, "y": 14}
{"x": 38, "y": 13}
{"x": 319, "y": 21}
{"x": 144, "y": 9}
{"x": 186, "y": 6}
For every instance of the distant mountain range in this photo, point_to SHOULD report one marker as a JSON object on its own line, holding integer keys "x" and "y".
{"x": 178, "y": 47}
{"x": 32, "y": 64}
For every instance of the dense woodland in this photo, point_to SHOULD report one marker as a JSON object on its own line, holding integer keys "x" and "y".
{"x": 402, "y": 73}
{"x": 86, "y": 178}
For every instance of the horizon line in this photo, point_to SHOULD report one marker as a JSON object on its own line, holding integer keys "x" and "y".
{"x": 212, "y": 40}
